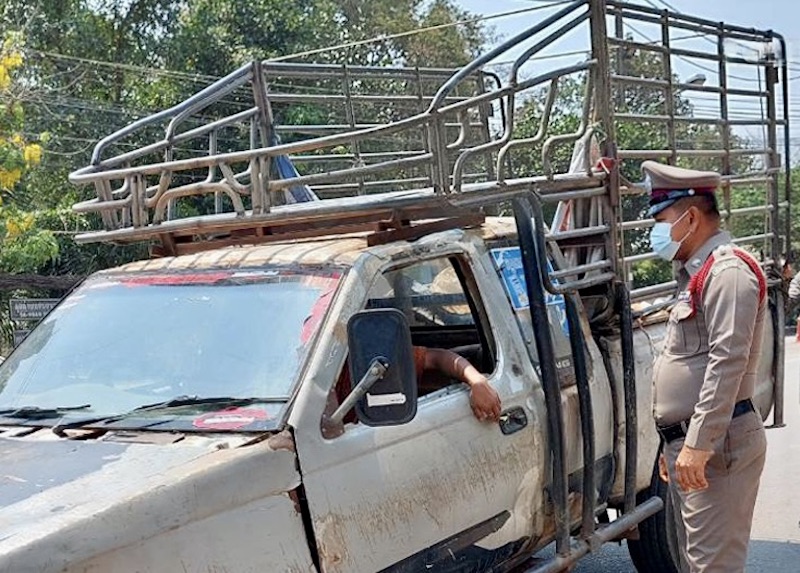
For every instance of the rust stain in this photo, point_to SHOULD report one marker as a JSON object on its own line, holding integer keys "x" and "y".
{"x": 435, "y": 494}
{"x": 281, "y": 441}
{"x": 331, "y": 542}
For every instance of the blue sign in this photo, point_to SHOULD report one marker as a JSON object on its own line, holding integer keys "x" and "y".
{"x": 509, "y": 264}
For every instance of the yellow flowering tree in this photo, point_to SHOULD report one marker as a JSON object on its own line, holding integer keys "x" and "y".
{"x": 23, "y": 246}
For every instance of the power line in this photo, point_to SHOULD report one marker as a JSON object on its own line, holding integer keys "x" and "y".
{"x": 384, "y": 37}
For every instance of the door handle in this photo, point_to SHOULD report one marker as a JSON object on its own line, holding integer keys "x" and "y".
{"x": 513, "y": 420}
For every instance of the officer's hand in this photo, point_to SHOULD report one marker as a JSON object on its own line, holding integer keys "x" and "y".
{"x": 662, "y": 468}
{"x": 484, "y": 401}
{"x": 690, "y": 468}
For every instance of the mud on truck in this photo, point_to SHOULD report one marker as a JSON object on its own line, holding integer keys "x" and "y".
{"x": 180, "y": 413}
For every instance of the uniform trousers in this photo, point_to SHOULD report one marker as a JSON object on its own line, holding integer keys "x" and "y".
{"x": 714, "y": 524}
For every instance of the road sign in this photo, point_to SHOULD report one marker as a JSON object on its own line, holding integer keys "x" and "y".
{"x": 19, "y": 336}
{"x": 30, "y": 308}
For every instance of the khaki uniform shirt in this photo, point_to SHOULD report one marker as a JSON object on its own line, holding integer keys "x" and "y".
{"x": 709, "y": 359}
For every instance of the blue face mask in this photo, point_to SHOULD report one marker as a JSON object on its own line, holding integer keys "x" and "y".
{"x": 661, "y": 240}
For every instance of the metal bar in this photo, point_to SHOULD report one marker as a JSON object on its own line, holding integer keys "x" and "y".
{"x": 578, "y": 347}
{"x": 351, "y": 119}
{"x": 523, "y": 214}
{"x": 91, "y": 172}
{"x": 300, "y": 70}
{"x": 658, "y": 153}
{"x": 350, "y": 156}
{"x": 513, "y": 42}
{"x": 623, "y": 43}
{"x": 629, "y": 387}
{"x": 589, "y": 267}
{"x": 323, "y": 128}
{"x": 725, "y": 128}
{"x": 523, "y": 58}
{"x": 284, "y": 97}
{"x": 376, "y": 371}
{"x": 753, "y": 238}
{"x": 544, "y": 121}
{"x": 653, "y": 290}
{"x": 213, "y": 92}
{"x": 774, "y": 160}
{"x": 787, "y": 178}
{"x": 346, "y": 173}
{"x": 610, "y": 532}
{"x": 705, "y": 25}
{"x": 578, "y": 233}
{"x": 668, "y": 99}
{"x": 778, "y": 361}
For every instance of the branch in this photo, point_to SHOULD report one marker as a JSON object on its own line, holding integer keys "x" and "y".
{"x": 10, "y": 281}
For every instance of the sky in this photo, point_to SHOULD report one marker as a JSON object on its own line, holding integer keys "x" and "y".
{"x": 782, "y": 16}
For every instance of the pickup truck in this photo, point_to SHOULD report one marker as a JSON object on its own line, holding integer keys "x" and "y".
{"x": 185, "y": 412}
{"x": 177, "y": 413}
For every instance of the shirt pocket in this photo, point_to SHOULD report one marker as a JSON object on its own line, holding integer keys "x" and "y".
{"x": 684, "y": 337}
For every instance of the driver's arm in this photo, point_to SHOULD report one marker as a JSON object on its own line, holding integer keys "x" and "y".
{"x": 483, "y": 398}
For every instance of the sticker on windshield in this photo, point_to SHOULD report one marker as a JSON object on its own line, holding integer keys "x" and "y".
{"x": 230, "y": 419}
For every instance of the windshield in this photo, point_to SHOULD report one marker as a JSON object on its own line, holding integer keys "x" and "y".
{"x": 123, "y": 341}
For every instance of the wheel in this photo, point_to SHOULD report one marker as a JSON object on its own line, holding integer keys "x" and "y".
{"x": 656, "y": 550}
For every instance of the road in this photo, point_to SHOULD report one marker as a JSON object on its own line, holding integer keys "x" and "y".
{"x": 775, "y": 545}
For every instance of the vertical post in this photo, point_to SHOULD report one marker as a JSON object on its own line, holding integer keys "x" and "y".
{"x": 351, "y": 119}
{"x": 725, "y": 125}
{"x": 604, "y": 112}
{"x": 427, "y": 135}
{"x": 669, "y": 95}
{"x": 260, "y": 183}
{"x": 774, "y": 160}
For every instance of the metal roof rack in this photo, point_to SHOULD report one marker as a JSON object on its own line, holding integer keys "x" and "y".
{"x": 386, "y": 148}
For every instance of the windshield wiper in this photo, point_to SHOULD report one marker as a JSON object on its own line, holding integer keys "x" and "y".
{"x": 165, "y": 405}
{"x": 38, "y": 413}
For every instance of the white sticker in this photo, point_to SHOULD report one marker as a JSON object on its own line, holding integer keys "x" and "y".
{"x": 377, "y": 400}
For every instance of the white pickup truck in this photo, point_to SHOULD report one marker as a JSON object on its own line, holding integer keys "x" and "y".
{"x": 185, "y": 413}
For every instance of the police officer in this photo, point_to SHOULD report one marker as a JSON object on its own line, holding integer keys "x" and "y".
{"x": 714, "y": 442}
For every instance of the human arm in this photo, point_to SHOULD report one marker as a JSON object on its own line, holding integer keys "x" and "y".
{"x": 483, "y": 398}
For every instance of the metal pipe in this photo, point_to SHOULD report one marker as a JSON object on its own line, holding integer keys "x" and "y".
{"x": 376, "y": 371}
{"x": 226, "y": 84}
{"x": 777, "y": 307}
{"x": 577, "y": 345}
{"x": 547, "y": 367}
{"x": 513, "y": 42}
{"x": 586, "y": 268}
{"x": 629, "y": 386}
{"x": 610, "y": 532}
{"x": 540, "y": 133}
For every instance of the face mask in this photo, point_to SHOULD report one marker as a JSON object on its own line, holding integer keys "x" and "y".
{"x": 661, "y": 240}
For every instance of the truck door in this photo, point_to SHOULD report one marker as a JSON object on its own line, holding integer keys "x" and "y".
{"x": 507, "y": 261}
{"x": 443, "y": 492}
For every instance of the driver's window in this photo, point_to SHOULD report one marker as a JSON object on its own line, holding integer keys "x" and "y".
{"x": 443, "y": 310}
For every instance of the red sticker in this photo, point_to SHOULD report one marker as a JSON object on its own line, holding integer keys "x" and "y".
{"x": 230, "y": 419}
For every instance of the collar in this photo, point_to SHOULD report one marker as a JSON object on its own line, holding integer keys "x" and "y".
{"x": 695, "y": 262}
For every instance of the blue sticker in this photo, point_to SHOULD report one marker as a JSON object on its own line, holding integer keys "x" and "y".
{"x": 509, "y": 264}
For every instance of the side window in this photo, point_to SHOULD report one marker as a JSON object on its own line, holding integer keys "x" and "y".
{"x": 508, "y": 263}
{"x": 443, "y": 310}
{"x": 439, "y": 299}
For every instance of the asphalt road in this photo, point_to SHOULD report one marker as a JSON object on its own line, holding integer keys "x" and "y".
{"x": 775, "y": 544}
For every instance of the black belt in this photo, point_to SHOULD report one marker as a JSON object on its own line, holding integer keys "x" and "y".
{"x": 676, "y": 431}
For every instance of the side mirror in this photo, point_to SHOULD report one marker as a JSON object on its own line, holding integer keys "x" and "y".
{"x": 382, "y": 368}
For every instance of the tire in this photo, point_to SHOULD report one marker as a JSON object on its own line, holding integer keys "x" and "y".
{"x": 656, "y": 550}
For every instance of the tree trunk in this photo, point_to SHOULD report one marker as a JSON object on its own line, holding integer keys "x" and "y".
{"x": 30, "y": 281}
